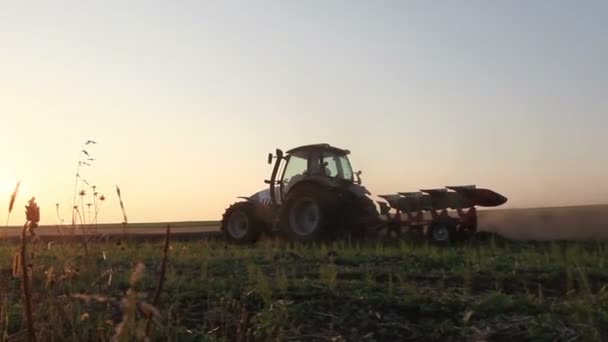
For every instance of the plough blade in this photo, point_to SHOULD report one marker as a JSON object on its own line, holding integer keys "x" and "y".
{"x": 461, "y": 197}
{"x": 480, "y": 197}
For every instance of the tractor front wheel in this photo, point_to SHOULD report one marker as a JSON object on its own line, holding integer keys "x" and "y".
{"x": 240, "y": 224}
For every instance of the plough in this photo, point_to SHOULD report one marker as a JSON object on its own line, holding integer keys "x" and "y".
{"x": 428, "y": 211}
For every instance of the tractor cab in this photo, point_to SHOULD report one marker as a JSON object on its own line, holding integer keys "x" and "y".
{"x": 318, "y": 163}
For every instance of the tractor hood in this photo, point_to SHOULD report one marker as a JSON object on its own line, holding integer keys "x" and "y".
{"x": 261, "y": 197}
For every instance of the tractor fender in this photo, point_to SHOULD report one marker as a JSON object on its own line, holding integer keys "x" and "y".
{"x": 261, "y": 197}
{"x": 262, "y": 206}
{"x": 358, "y": 190}
{"x": 361, "y": 192}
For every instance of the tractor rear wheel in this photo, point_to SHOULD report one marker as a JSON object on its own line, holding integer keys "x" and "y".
{"x": 240, "y": 225}
{"x": 310, "y": 212}
{"x": 361, "y": 217}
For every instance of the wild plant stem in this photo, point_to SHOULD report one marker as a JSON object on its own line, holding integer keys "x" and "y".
{"x": 94, "y": 221}
{"x": 161, "y": 276}
{"x": 26, "y": 287}
{"x": 84, "y": 213}
{"x": 75, "y": 192}
{"x": 1, "y": 318}
{"x": 79, "y": 216}
{"x": 97, "y": 211}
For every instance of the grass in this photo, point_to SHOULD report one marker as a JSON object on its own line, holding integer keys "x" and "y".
{"x": 205, "y": 290}
{"x": 128, "y": 288}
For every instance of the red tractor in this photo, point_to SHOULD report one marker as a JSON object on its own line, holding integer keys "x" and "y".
{"x": 313, "y": 194}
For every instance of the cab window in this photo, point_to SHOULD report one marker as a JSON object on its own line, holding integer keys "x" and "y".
{"x": 337, "y": 166}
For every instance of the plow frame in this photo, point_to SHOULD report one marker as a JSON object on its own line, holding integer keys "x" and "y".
{"x": 454, "y": 208}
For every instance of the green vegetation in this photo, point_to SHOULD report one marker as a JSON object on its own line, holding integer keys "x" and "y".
{"x": 369, "y": 291}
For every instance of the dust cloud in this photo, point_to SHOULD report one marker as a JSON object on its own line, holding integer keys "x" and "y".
{"x": 553, "y": 223}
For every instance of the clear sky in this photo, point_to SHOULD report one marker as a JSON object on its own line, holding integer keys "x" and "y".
{"x": 185, "y": 98}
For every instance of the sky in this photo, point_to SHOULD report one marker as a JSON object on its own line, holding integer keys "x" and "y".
{"x": 186, "y": 98}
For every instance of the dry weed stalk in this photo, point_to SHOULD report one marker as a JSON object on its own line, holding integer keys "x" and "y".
{"x": 128, "y": 306}
{"x": 161, "y": 277}
{"x": 83, "y": 161}
{"x": 82, "y": 212}
{"x": 32, "y": 214}
{"x": 74, "y": 206}
{"x": 98, "y": 204}
{"x": 3, "y": 319}
{"x": 79, "y": 211}
{"x": 12, "y": 202}
{"x": 83, "y": 221}
{"x": 124, "y": 214}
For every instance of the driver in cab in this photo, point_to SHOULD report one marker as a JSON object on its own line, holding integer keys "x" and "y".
{"x": 315, "y": 170}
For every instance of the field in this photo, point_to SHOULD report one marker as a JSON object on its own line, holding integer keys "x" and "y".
{"x": 582, "y": 223}
{"x": 374, "y": 291}
{"x": 113, "y": 287}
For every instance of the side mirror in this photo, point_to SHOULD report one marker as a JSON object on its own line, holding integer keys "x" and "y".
{"x": 358, "y": 174}
{"x": 269, "y": 158}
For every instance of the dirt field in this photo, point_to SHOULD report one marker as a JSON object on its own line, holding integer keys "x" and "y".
{"x": 552, "y": 223}
{"x": 153, "y": 229}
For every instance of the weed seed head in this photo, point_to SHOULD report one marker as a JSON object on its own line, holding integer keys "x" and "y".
{"x": 13, "y": 197}
{"x": 32, "y": 212}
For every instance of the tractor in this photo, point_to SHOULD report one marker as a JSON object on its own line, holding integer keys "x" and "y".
{"x": 313, "y": 194}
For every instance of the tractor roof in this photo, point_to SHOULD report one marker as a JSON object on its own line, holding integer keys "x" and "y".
{"x": 319, "y": 147}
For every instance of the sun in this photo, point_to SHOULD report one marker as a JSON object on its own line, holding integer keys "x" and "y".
{"x": 7, "y": 187}
{"x": 6, "y": 184}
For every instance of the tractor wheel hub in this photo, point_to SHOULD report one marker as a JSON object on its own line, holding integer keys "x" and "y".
{"x": 238, "y": 224}
{"x": 305, "y": 216}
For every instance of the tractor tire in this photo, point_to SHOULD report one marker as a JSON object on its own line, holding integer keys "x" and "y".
{"x": 361, "y": 214}
{"x": 310, "y": 213}
{"x": 240, "y": 224}
{"x": 442, "y": 232}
